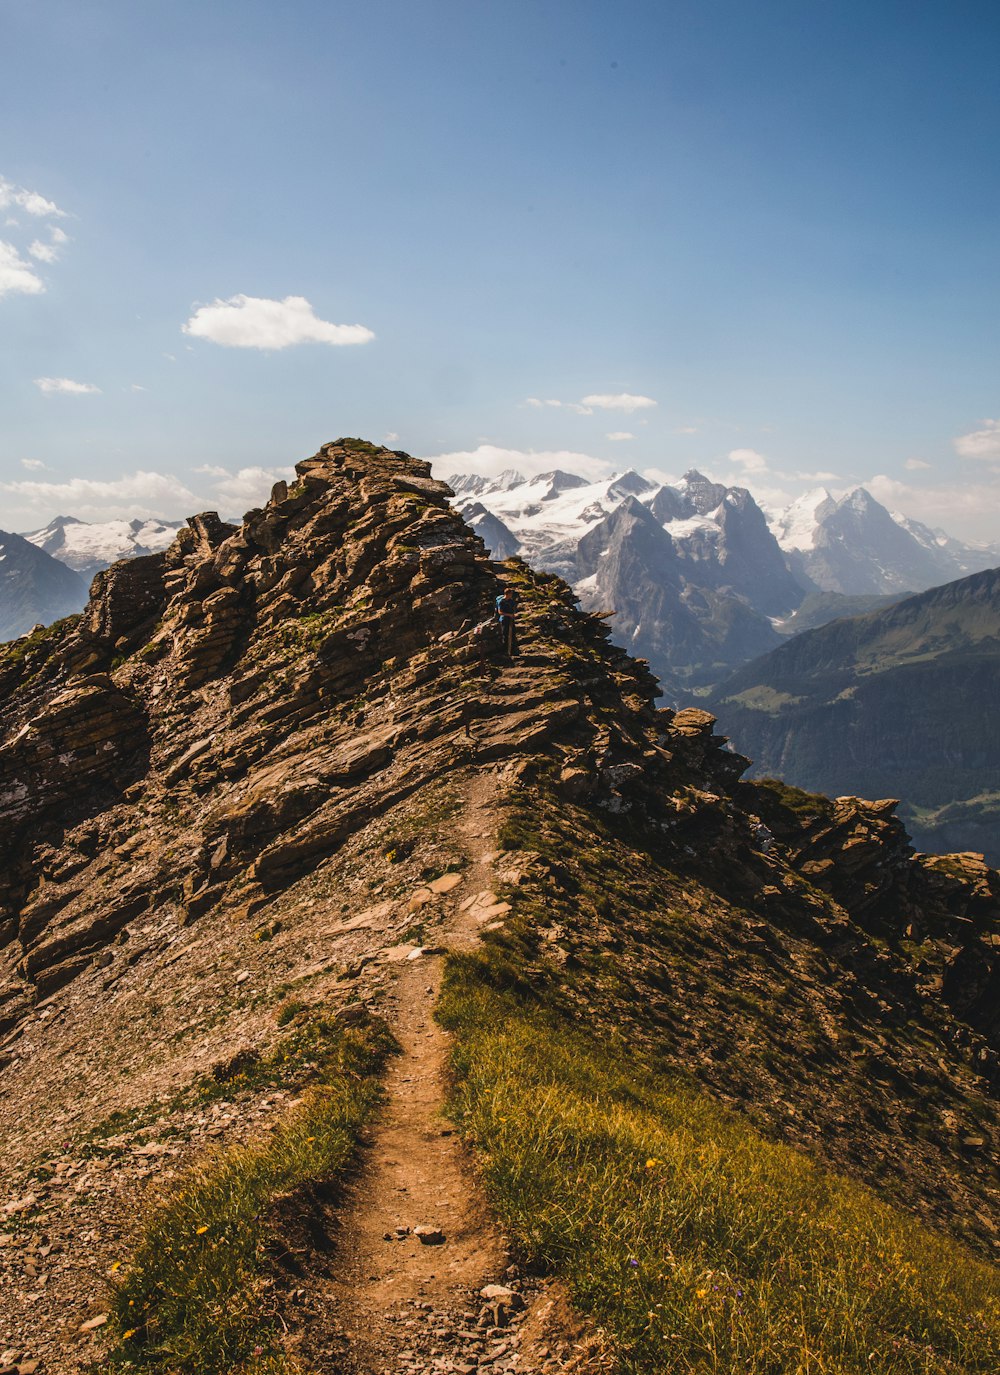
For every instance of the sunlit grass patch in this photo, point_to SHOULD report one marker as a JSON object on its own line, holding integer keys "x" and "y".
{"x": 194, "y": 1298}
{"x": 698, "y": 1244}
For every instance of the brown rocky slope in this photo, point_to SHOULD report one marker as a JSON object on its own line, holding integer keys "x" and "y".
{"x": 221, "y": 786}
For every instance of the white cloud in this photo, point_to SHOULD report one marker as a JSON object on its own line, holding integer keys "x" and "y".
{"x": 235, "y": 493}
{"x": 820, "y": 476}
{"x": 391, "y": 438}
{"x": 28, "y": 201}
{"x": 58, "y": 235}
{"x": 33, "y": 464}
{"x": 33, "y": 502}
{"x": 255, "y": 322}
{"x": 661, "y": 478}
{"x": 66, "y": 386}
{"x": 44, "y": 252}
{"x": 686, "y": 429}
{"x": 602, "y": 401}
{"x": 16, "y": 275}
{"x": 139, "y": 494}
{"x": 984, "y": 443}
{"x": 967, "y": 510}
{"x": 916, "y": 465}
{"x": 620, "y": 434}
{"x": 575, "y": 406}
{"x": 489, "y": 460}
{"x": 137, "y": 386}
{"x": 620, "y": 401}
{"x": 749, "y": 460}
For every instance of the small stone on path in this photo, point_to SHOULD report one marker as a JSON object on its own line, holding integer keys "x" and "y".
{"x": 445, "y": 883}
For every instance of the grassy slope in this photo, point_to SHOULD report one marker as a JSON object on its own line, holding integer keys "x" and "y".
{"x": 895, "y": 703}
{"x": 700, "y": 1244}
{"x": 697, "y": 1243}
{"x": 196, "y": 1296}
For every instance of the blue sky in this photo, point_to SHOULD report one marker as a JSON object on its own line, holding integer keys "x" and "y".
{"x": 777, "y": 221}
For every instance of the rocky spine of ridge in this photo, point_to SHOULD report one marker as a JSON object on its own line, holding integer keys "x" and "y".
{"x": 192, "y": 739}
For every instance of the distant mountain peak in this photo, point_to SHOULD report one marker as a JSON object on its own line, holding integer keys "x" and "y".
{"x": 860, "y": 499}
{"x": 559, "y": 481}
{"x": 632, "y": 483}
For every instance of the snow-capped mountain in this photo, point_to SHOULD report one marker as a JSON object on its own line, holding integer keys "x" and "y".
{"x": 87, "y": 548}
{"x": 855, "y": 546}
{"x": 691, "y": 569}
{"x": 34, "y": 587}
{"x": 699, "y": 578}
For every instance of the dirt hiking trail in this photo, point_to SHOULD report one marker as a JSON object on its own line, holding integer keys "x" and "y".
{"x": 452, "y": 1300}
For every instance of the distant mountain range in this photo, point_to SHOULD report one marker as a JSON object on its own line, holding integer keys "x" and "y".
{"x": 34, "y": 587}
{"x": 87, "y": 548}
{"x": 900, "y": 702}
{"x": 700, "y": 579}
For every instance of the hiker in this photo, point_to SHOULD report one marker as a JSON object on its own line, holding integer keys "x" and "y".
{"x": 507, "y": 611}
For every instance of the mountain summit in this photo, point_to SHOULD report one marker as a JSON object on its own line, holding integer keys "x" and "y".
{"x": 277, "y": 799}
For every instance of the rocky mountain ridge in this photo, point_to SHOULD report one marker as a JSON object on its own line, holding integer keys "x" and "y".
{"x": 233, "y": 791}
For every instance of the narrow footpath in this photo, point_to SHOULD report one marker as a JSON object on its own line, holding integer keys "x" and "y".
{"x": 423, "y": 1280}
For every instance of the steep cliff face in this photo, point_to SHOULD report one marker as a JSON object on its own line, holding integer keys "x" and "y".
{"x": 245, "y": 780}
{"x": 671, "y": 601}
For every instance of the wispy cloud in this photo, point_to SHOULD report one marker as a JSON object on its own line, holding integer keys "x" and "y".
{"x": 33, "y": 464}
{"x": 916, "y": 465}
{"x": 576, "y": 407}
{"x": 256, "y": 322}
{"x": 16, "y": 276}
{"x": 749, "y": 460}
{"x": 44, "y": 252}
{"x": 620, "y": 434}
{"x": 984, "y": 443}
{"x": 618, "y": 401}
{"x": 66, "y": 386}
{"x": 597, "y": 401}
{"x": 18, "y": 197}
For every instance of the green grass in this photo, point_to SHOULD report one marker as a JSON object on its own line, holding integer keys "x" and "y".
{"x": 699, "y": 1245}
{"x": 196, "y": 1297}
